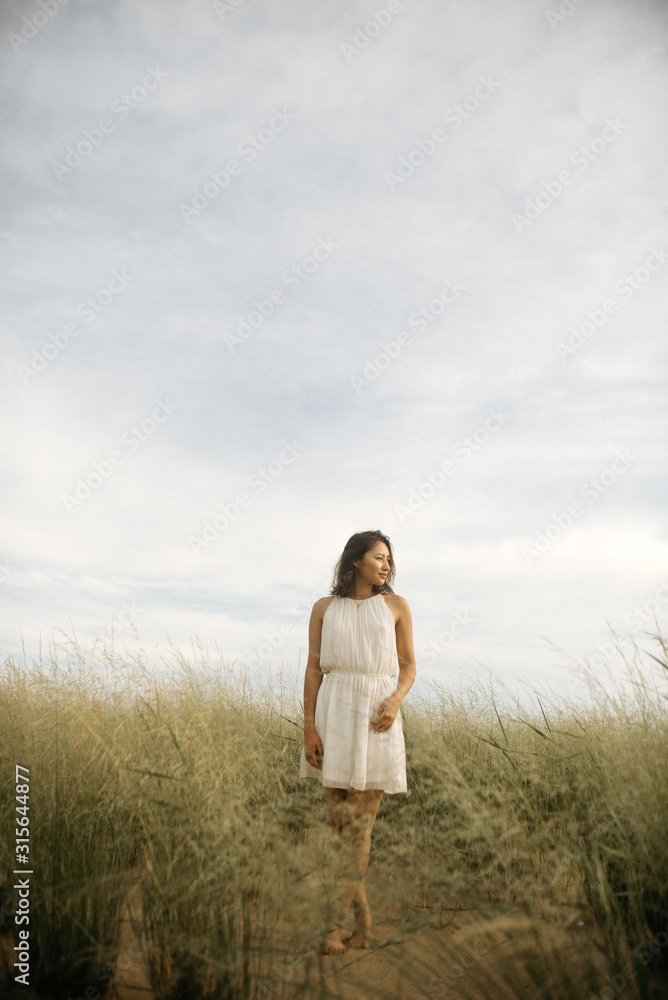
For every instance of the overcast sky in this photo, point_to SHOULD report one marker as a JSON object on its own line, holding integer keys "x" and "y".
{"x": 276, "y": 273}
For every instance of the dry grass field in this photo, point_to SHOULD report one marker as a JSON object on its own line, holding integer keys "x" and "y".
{"x": 176, "y": 853}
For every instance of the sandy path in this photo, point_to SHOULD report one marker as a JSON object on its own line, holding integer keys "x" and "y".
{"x": 442, "y": 958}
{"x": 450, "y": 955}
{"x": 132, "y": 980}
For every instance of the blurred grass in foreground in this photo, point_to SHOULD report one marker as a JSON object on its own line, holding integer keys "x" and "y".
{"x": 530, "y": 858}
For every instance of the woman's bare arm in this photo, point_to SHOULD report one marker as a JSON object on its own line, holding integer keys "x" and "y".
{"x": 314, "y": 675}
{"x": 403, "y": 625}
{"x": 405, "y": 653}
{"x": 313, "y": 749}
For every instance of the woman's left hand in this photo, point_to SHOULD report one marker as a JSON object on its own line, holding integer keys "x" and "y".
{"x": 387, "y": 713}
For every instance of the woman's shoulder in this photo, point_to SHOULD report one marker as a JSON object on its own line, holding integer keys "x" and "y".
{"x": 321, "y": 605}
{"x": 398, "y": 605}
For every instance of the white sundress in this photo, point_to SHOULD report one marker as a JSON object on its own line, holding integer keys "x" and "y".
{"x": 358, "y": 657}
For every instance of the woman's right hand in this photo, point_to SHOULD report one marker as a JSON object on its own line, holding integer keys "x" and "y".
{"x": 313, "y": 748}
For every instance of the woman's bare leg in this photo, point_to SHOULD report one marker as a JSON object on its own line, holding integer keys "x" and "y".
{"x": 360, "y": 935}
{"x": 358, "y": 811}
{"x": 335, "y": 802}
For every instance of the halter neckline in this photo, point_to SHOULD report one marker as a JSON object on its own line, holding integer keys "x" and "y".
{"x": 362, "y": 599}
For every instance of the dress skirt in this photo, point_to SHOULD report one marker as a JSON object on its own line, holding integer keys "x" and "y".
{"x": 354, "y": 756}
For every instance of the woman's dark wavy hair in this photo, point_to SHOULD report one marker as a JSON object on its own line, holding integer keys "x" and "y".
{"x": 355, "y": 549}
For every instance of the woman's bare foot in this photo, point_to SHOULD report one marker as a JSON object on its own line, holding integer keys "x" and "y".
{"x": 333, "y": 945}
{"x": 360, "y": 935}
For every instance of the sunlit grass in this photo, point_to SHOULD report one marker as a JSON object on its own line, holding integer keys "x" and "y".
{"x": 530, "y": 857}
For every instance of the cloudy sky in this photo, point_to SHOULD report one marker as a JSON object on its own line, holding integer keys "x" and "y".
{"x": 276, "y": 273}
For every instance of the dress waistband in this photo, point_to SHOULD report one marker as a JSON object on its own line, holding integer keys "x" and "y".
{"x": 354, "y": 673}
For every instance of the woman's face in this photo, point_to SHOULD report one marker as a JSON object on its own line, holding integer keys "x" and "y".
{"x": 375, "y": 566}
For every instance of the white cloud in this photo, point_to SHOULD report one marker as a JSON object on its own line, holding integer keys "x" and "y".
{"x": 322, "y": 177}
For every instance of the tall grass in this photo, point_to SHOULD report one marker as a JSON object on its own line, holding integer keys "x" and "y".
{"x": 530, "y": 857}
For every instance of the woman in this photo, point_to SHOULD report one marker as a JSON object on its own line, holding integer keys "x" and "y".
{"x": 353, "y": 741}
